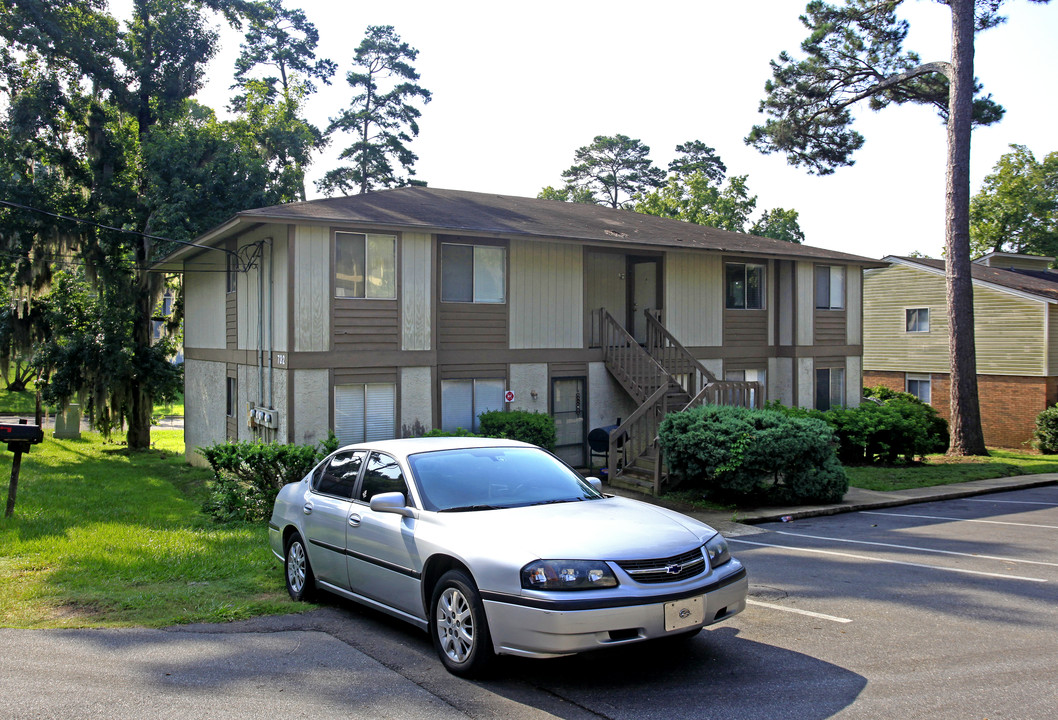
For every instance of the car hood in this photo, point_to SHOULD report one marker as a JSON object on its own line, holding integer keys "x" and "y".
{"x": 610, "y": 529}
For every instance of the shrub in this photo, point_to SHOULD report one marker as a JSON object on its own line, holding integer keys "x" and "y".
{"x": 896, "y": 427}
{"x": 247, "y": 476}
{"x": 458, "y": 432}
{"x": 531, "y": 427}
{"x": 1046, "y": 432}
{"x": 739, "y": 453}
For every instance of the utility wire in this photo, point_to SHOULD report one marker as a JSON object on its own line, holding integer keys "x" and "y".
{"x": 71, "y": 218}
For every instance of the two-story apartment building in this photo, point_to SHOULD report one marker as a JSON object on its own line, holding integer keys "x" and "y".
{"x": 391, "y": 313}
{"x": 1015, "y": 330}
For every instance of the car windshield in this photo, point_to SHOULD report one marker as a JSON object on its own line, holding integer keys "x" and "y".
{"x": 496, "y": 477}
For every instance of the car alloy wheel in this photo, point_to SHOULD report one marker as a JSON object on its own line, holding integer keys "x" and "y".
{"x": 460, "y": 631}
{"x": 300, "y": 581}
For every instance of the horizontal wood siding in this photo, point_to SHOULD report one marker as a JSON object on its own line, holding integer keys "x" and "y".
{"x": 231, "y": 320}
{"x": 546, "y": 295}
{"x": 361, "y": 325}
{"x": 358, "y": 375}
{"x": 472, "y": 326}
{"x": 694, "y": 298}
{"x": 1009, "y": 330}
{"x": 482, "y": 371}
{"x": 745, "y": 327}
{"x": 1052, "y": 340}
{"x": 830, "y": 327}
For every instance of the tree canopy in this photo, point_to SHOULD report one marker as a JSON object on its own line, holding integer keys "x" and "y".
{"x": 611, "y": 171}
{"x": 383, "y": 121}
{"x": 855, "y": 53}
{"x": 1016, "y": 209}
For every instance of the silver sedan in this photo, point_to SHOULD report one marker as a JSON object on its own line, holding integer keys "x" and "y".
{"x": 497, "y": 547}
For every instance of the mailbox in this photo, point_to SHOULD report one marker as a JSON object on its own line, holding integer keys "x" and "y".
{"x": 21, "y": 433}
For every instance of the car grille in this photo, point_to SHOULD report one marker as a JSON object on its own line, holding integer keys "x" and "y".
{"x": 665, "y": 570}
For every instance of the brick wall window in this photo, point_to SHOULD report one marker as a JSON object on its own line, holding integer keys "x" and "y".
{"x": 917, "y": 320}
{"x": 919, "y": 386}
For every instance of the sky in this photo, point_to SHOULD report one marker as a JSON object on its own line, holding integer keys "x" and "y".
{"x": 518, "y": 87}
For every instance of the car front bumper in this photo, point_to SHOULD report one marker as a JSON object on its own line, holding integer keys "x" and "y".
{"x": 529, "y": 629}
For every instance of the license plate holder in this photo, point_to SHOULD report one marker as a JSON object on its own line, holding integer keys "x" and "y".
{"x": 682, "y": 614}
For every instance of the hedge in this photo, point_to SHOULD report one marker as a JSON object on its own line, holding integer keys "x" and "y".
{"x": 740, "y": 453}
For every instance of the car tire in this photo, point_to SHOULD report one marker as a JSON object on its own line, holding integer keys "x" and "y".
{"x": 301, "y": 583}
{"x": 458, "y": 626}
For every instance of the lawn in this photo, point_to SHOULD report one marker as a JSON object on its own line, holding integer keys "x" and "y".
{"x": 944, "y": 470}
{"x": 102, "y": 537}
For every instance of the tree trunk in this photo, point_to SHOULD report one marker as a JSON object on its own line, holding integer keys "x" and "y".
{"x": 966, "y": 435}
{"x": 138, "y": 436}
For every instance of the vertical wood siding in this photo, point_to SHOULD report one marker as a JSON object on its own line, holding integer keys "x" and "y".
{"x": 604, "y": 287}
{"x": 1009, "y": 330}
{"x": 694, "y": 298}
{"x": 416, "y": 291}
{"x": 204, "y": 294}
{"x": 312, "y": 288}
{"x": 546, "y": 295}
{"x": 1052, "y": 340}
{"x": 853, "y": 305}
{"x": 804, "y": 291}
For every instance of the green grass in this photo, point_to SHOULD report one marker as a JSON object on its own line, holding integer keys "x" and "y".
{"x": 102, "y": 537}
{"x": 944, "y": 470}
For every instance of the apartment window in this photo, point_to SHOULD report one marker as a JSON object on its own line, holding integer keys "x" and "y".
{"x": 830, "y": 287}
{"x": 365, "y": 266}
{"x": 473, "y": 273}
{"x": 463, "y": 401}
{"x": 919, "y": 386}
{"x": 364, "y": 412}
{"x": 830, "y": 388}
{"x": 745, "y": 286}
{"x": 917, "y": 319}
{"x": 748, "y": 375}
{"x": 232, "y": 396}
{"x": 232, "y": 272}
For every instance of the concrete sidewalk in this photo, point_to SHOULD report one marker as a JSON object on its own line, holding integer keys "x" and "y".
{"x": 740, "y": 522}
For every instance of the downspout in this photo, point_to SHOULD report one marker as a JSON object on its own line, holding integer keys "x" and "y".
{"x": 260, "y": 330}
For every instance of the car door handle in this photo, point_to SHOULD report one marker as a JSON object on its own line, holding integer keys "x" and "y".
{"x": 307, "y": 509}
{"x": 354, "y": 520}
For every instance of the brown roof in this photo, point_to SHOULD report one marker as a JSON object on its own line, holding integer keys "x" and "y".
{"x": 1042, "y": 283}
{"x": 461, "y": 212}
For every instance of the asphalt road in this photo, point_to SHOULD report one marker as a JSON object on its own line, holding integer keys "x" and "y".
{"x": 937, "y": 610}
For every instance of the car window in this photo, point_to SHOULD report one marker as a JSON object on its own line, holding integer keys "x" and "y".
{"x": 338, "y": 475}
{"x": 495, "y": 477}
{"x": 383, "y": 475}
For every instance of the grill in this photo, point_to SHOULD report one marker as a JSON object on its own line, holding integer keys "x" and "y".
{"x": 665, "y": 570}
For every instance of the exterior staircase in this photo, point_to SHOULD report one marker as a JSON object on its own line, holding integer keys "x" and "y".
{"x": 662, "y": 377}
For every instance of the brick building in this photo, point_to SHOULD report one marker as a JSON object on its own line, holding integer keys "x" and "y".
{"x": 905, "y": 343}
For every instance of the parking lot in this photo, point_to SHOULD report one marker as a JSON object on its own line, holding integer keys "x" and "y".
{"x": 937, "y": 610}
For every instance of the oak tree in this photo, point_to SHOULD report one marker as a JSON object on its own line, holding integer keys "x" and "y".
{"x": 1016, "y": 209}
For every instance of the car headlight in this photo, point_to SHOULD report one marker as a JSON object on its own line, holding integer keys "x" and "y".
{"x": 567, "y": 575}
{"x": 717, "y": 550}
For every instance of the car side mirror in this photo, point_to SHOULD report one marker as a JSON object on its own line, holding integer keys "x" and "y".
{"x": 392, "y": 502}
{"x": 595, "y": 483}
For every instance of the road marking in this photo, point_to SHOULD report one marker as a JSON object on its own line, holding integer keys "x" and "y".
{"x": 809, "y": 613}
{"x": 914, "y": 547}
{"x": 940, "y": 517}
{"x": 1014, "y": 502}
{"x": 885, "y": 560}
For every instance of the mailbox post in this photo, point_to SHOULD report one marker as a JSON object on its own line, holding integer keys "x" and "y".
{"x": 18, "y": 438}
